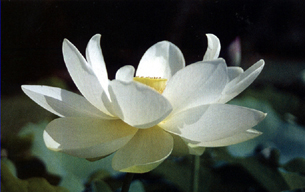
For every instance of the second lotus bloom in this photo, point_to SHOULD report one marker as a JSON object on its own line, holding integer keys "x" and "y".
{"x": 166, "y": 109}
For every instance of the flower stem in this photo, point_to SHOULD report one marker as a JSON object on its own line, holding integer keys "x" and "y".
{"x": 127, "y": 182}
{"x": 195, "y": 173}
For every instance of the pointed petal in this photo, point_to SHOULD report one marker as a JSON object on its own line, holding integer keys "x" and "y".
{"x": 208, "y": 123}
{"x": 237, "y": 138}
{"x": 213, "y": 48}
{"x": 87, "y": 137}
{"x": 95, "y": 59}
{"x": 233, "y": 72}
{"x": 241, "y": 82}
{"x": 137, "y": 104}
{"x": 147, "y": 149}
{"x": 83, "y": 76}
{"x": 125, "y": 73}
{"x": 61, "y": 102}
{"x": 197, "y": 84}
{"x": 163, "y": 60}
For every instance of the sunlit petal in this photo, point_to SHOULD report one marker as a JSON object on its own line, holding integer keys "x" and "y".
{"x": 213, "y": 48}
{"x": 137, "y": 104}
{"x": 95, "y": 59}
{"x": 162, "y": 60}
{"x": 208, "y": 123}
{"x": 61, "y": 102}
{"x": 125, "y": 73}
{"x": 83, "y": 76}
{"x": 87, "y": 137}
{"x": 197, "y": 84}
{"x": 234, "y": 139}
{"x": 147, "y": 149}
{"x": 241, "y": 82}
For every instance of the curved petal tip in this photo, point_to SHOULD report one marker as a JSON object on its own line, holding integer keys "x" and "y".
{"x": 213, "y": 48}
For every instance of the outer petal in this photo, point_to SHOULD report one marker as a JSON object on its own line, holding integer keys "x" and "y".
{"x": 87, "y": 137}
{"x": 95, "y": 58}
{"x": 163, "y": 60}
{"x": 234, "y": 72}
{"x": 197, "y": 84}
{"x": 213, "y": 48}
{"x": 125, "y": 73}
{"x": 237, "y": 138}
{"x": 241, "y": 82}
{"x": 147, "y": 149}
{"x": 61, "y": 102}
{"x": 137, "y": 104}
{"x": 83, "y": 76}
{"x": 208, "y": 123}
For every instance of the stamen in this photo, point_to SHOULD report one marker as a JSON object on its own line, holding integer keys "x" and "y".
{"x": 156, "y": 83}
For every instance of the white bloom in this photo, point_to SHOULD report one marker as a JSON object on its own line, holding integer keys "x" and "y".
{"x": 177, "y": 109}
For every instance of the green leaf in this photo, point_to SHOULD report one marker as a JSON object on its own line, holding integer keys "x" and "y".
{"x": 9, "y": 182}
{"x": 17, "y": 111}
{"x": 12, "y": 184}
{"x": 10, "y": 165}
{"x": 295, "y": 165}
{"x": 178, "y": 173}
{"x": 286, "y": 136}
{"x": 267, "y": 176}
{"x": 17, "y": 145}
{"x": 294, "y": 180}
{"x": 265, "y": 173}
{"x": 99, "y": 175}
{"x": 100, "y": 186}
{"x": 289, "y": 102}
{"x": 41, "y": 185}
{"x": 136, "y": 186}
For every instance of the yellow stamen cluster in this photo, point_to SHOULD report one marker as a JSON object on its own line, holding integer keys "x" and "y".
{"x": 154, "y": 82}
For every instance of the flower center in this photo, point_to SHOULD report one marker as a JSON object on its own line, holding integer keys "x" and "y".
{"x": 154, "y": 82}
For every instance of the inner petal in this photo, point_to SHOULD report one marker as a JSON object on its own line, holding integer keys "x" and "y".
{"x": 154, "y": 82}
{"x": 137, "y": 104}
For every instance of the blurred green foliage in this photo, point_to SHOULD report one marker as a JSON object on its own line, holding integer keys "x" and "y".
{"x": 10, "y": 183}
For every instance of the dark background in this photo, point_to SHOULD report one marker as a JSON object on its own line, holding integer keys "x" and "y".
{"x": 33, "y": 31}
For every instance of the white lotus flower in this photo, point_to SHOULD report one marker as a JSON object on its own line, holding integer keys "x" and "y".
{"x": 173, "y": 109}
